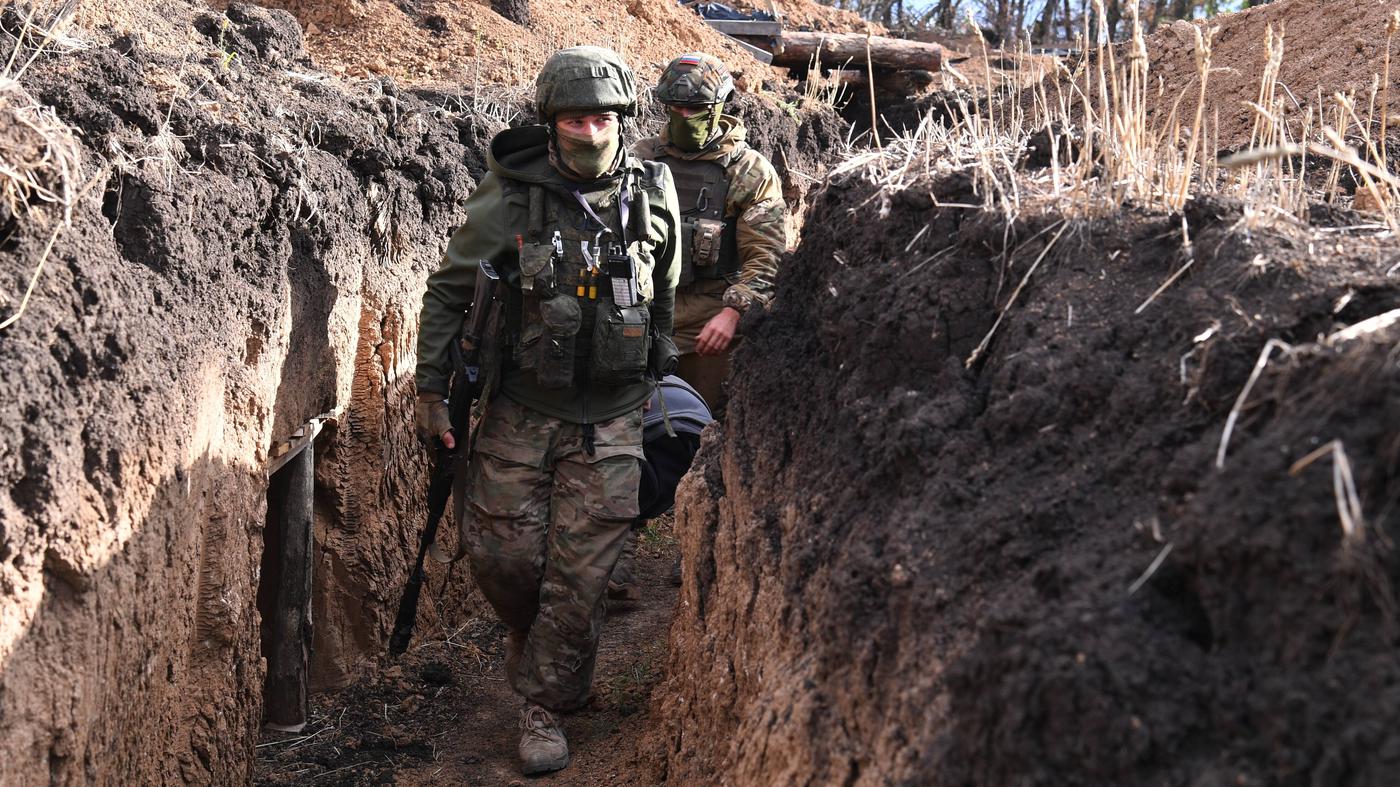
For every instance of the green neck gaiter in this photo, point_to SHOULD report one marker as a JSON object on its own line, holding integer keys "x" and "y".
{"x": 692, "y": 133}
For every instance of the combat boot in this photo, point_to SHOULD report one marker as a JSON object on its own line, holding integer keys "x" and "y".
{"x": 542, "y": 745}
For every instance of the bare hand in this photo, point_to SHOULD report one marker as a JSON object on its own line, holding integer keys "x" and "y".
{"x": 449, "y": 440}
{"x": 718, "y": 333}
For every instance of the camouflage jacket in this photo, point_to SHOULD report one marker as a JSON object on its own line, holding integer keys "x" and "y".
{"x": 755, "y": 200}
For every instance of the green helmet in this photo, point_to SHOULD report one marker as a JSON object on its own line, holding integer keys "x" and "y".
{"x": 583, "y": 78}
{"x": 695, "y": 78}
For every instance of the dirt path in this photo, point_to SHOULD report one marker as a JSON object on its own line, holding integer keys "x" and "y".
{"x": 445, "y": 715}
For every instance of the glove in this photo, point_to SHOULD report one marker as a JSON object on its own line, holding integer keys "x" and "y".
{"x": 431, "y": 417}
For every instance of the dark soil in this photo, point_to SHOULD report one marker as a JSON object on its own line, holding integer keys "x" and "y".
{"x": 902, "y": 569}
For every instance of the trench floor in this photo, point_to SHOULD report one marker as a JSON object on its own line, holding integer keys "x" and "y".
{"x": 444, "y": 714}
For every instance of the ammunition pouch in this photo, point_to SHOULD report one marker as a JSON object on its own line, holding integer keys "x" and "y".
{"x": 547, "y": 345}
{"x": 621, "y": 344}
{"x": 537, "y": 270}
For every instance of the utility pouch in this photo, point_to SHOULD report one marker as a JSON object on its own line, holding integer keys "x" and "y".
{"x": 536, "y": 272}
{"x": 560, "y": 318}
{"x": 706, "y": 242}
{"x": 664, "y": 358}
{"x": 621, "y": 341}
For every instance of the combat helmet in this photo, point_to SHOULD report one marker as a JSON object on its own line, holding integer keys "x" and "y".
{"x": 695, "y": 78}
{"x": 585, "y": 77}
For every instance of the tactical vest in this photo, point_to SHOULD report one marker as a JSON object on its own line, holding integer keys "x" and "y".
{"x": 709, "y": 244}
{"x": 580, "y": 314}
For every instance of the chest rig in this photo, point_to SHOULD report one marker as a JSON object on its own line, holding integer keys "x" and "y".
{"x": 580, "y": 315}
{"x": 709, "y": 244}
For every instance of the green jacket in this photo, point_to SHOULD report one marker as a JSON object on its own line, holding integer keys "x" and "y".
{"x": 496, "y": 214}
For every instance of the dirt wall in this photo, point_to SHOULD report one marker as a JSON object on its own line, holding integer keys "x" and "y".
{"x": 249, "y": 253}
{"x": 901, "y": 569}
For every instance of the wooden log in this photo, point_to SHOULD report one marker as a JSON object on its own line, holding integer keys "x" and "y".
{"x": 286, "y": 696}
{"x": 847, "y": 50}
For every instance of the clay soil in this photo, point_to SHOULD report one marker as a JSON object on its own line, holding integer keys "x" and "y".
{"x": 1328, "y": 48}
{"x": 466, "y": 43}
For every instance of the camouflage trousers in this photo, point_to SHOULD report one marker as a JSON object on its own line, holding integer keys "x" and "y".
{"x": 543, "y": 524}
{"x": 695, "y": 305}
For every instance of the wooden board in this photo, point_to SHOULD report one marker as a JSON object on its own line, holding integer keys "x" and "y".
{"x": 745, "y": 27}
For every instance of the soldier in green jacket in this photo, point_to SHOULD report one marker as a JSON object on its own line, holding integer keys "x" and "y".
{"x": 584, "y": 237}
{"x": 734, "y": 218}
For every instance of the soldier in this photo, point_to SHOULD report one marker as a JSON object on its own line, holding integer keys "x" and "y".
{"x": 583, "y": 236}
{"x": 734, "y": 229}
{"x": 734, "y": 217}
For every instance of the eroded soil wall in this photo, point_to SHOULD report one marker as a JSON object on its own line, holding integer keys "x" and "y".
{"x": 250, "y": 253}
{"x": 899, "y": 569}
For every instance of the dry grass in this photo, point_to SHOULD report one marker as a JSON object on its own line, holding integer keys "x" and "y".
{"x": 40, "y": 167}
{"x": 1106, "y": 151}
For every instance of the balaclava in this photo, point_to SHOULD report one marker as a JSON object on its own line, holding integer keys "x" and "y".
{"x": 588, "y": 157}
{"x": 694, "y": 132}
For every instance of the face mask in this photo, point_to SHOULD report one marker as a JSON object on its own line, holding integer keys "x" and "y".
{"x": 691, "y": 133}
{"x": 589, "y": 155}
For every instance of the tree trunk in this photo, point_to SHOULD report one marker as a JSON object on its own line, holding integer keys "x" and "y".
{"x": 517, "y": 11}
{"x": 1159, "y": 7}
{"x": 836, "y": 48}
{"x": 1045, "y": 28}
{"x": 1113, "y": 11}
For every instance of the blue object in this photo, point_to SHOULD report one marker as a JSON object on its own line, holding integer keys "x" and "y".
{"x": 669, "y": 451}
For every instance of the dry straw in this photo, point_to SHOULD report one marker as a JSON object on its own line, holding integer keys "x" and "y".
{"x": 1107, "y": 151}
{"x": 39, "y": 160}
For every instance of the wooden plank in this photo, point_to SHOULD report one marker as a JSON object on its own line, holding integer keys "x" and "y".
{"x": 284, "y": 451}
{"x": 287, "y": 667}
{"x": 745, "y": 27}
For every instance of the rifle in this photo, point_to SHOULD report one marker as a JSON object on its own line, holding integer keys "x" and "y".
{"x": 468, "y": 383}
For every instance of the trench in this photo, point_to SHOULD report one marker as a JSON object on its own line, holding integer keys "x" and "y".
{"x": 948, "y": 535}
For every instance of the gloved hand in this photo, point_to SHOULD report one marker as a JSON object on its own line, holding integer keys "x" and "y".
{"x": 432, "y": 419}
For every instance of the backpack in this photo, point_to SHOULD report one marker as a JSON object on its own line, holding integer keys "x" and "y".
{"x": 671, "y": 430}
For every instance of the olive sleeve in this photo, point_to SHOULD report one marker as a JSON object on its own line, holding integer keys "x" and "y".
{"x": 449, "y": 295}
{"x": 667, "y": 224}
